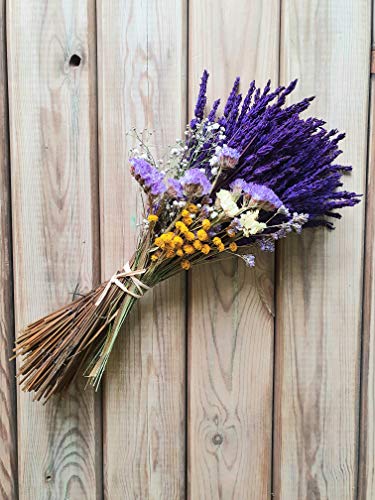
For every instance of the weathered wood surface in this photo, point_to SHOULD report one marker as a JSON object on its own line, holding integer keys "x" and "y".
{"x": 231, "y": 320}
{"x": 142, "y": 83}
{"x": 199, "y": 400}
{"x": 366, "y": 487}
{"x": 55, "y": 229}
{"x": 8, "y": 410}
{"x": 319, "y": 283}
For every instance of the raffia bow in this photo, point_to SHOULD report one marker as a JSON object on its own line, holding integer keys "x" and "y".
{"x": 127, "y": 273}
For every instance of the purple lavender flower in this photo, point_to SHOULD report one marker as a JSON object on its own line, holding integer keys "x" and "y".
{"x": 294, "y": 157}
{"x": 228, "y": 157}
{"x": 151, "y": 180}
{"x": 202, "y": 99}
{"x": 174, "y": 188}
{"x": 263, "y": 195}
{"x": 195, "y": 183}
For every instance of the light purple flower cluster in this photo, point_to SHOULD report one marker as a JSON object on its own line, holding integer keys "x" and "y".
{"x": 228, "y": 157}
{"x": 195, "y": 183}
{"x": 260, "y": 194}
{"x": 292, "y": 156}
{"x": 174, "y": 189}
{"x": 263, "y": 195}
{"x": 151, "y": 180}
{"x": 249, "y": 259}
{"x": 238, "y": 186}
{"x": 266, "y": 244}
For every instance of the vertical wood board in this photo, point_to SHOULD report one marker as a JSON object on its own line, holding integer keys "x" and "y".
{"x": 54, "y": 212}
{"x": 366, "y": 485}
{"x": 142, "y": 83}
{"x": 8, "y": 410}
{"x": 230, "y": 316}
{"x": 319, "y": 283}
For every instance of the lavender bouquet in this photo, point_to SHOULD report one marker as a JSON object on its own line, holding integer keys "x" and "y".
{"x": 243, "y": 178}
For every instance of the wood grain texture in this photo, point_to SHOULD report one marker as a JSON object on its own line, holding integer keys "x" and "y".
{"x": 366, "y": 486}
{"x": 230, "y": 331}
{"x": 54, "y": 201}
{"x": 8, "y": 410}
{"x": 319, "y": 283}
{"x": 142, "y": 83}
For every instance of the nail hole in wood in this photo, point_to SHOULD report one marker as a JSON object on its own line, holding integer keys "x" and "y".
{"x": 75, "y": 60}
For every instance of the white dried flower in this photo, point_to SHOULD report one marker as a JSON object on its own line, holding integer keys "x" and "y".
{"x": 227, "y": 202}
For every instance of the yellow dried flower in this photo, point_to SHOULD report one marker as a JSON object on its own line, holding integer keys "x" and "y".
{"x": 154, "y": 257}
{"x": 185, "y": 264}
{"x": 216, "y": 241}
{"x": 181, "y": 227}
{"x": 206, "y": 224}
{"x": 170, "y": 253}
{"x": 188, "y": 221}
{"x": 192, "y": 208}
{"x": 190, "y": 236}
{"x": 197, "y": 245}
{"x": 180, "y": 252}
{"x": 188, "y": 249}
{"x": 178, "y": 241}
{"x": 221, "y": 247}
{"x": 233, "y": 246}
{"x": 206, "y": 249}
{"x": 152, "y": 218}
{"x": 202, "y": 235}
{"x": 185, "y": 213}
{"x": 167, "y": 237}
{"x": 159, "y": 242}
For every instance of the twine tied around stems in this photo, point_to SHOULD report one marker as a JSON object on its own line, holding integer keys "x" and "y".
{"x": 126, "y": 273}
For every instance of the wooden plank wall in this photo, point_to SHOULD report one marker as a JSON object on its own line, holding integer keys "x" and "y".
{"x": 226, "y": 383}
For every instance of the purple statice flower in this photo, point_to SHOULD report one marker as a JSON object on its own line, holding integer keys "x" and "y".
{"x": 174, "y": 188}
{"x": 228, "y": 157}
{"x": 249, "y": 259}
{"x": 195, "y": 183}
{"x": 151, "y": 180}
{"x": 236, "y": 224}
{"x": 262, "y": 195}
{"x": 234, "y": 227}
{"x": 266, "y": 245}
{"x": 238, "y": 185}
{"x": 298, "y": 221}
{"x": 292, "y": 156}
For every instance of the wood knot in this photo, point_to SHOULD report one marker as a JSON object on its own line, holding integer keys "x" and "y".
{"x": 75, "y": 60}
{"x": 48, "y": 477}
{"x": 217, "y": 439}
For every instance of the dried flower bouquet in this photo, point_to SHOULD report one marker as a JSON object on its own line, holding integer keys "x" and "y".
{"x": 243, "y": 178}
